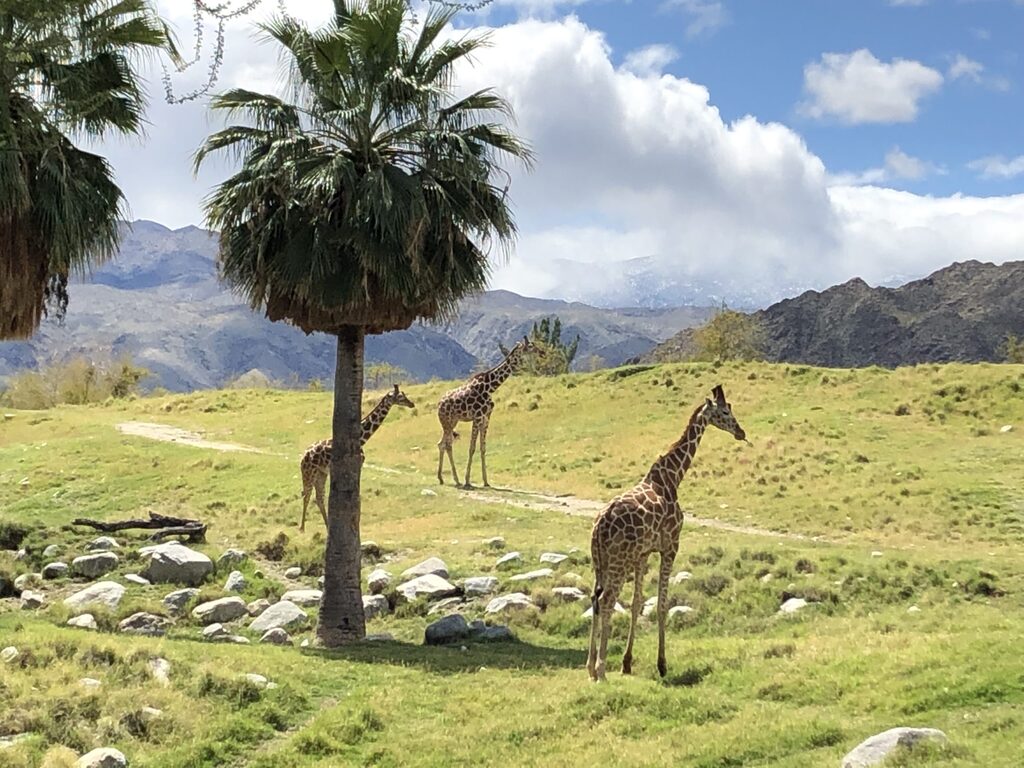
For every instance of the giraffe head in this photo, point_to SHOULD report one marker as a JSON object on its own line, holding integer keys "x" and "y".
{"x": 521, "y": 348}
{"x": 719, "y": 414}
{"x": 397, "y": 397}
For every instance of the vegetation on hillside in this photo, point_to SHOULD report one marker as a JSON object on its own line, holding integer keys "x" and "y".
{"x": 729, "y": 335}
{"x": 1013, "y": 349}
{"x": 77, "y": 381}
{"x": 553, "y": 356}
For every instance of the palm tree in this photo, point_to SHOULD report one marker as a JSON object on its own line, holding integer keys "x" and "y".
{"x": 66, "y": 67}
{"x": 364, "y": 201}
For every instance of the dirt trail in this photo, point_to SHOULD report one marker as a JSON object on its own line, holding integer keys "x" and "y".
{"x": 168, "y": 434}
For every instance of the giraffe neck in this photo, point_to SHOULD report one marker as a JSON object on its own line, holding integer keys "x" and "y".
{"x": 669, "y": 470}
{"x": 496, "y": 376}
{"x": 374, "y": 419}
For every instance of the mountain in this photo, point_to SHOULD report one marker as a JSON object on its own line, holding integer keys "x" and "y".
{"x": 960, "y": 313}
{"x": 160, "y": 301}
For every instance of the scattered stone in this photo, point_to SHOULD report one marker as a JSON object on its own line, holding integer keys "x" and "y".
{"x": 495, "y": 542}
{"x": 431, "y": 586}
{"x": 589, "y": 613}
{"x": 450, "y": 629}
{"x": 553, "y": 558}
{"x": 543, "y": 573}
{"x": 509, "y": 559}
{"x": 432, "y": 565}
{"x": 379, "y": 637}
{"x": 512, "y": 601}
{"x": 307, "y": 598}
{"x": 94, "y": 566}
{"x": 766, "y": 578}
{"x": 134, "y": 578}
{"x": 6, "y": 742}
{"x": 875, "y": 750}
{"x": 177, "y": 600}
{"x": 371, "y": 550}
{"x": 276, "y": 636}
{"x": 1006, "y": 428}
{"x": 160, "y": 669}
{"x": 51, "y": 551}
{"x": 913, "y": 609}
{"x": 85, "y": 621}
{"x": 306, "y": 642}
{"x": 90, "y": 682}
{"x": 428, "y": 492}
{"x": 480, "y": 585}
{"x": 293, "y": 573}
{"x": 102, "y": 544}
{"x": 21, "y": 554}
{"x": 236, "y": 639}
{"x": 150, "y": 713}
{"x": 102, "y": 758}
{"x": 682, "y": 576}
{"x": 142, "y": 623}
{"x": 174, "y": 563}
{"x": 220, "y": 611}
{"x": 793, "y": 605}
{"x": 283, "y": 615}
{"x": 55, "y": 571}
{"x": 31, "y": 600}
{"x": 444, "y": 606}
{"x": 378, "y": 581}
{"x": 256, "y": 607}
{"x": 679, "y": 610}
{"x": 213, "y": 631}
{"x": 8, "y": 654}
{"x": 105, "y": 593}
{"x": 570, "y": 594}
{"x": 876, "y": 553}
{"x": 374, "y": 606}
{"x": 236, "y": 582}
{"x": 231, "y": 558}
{"x": 650, "y": 606}
{"x": 497, "y": 634}
{"x": 259, "y": 681}
{"x": 27, "y": 581}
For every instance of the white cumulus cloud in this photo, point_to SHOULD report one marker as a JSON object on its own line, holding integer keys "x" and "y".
{"x": 998, "y": 167}
{"x": 650, "y": 60}
{"x": 968, "y": 69}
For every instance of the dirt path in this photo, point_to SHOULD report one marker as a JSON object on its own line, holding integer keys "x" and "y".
{"x": 168, "y": 434}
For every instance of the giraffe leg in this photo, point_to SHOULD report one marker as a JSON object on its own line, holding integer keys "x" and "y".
{"x": 664, "y": 571}
{"x": 638, "y": 597}
{"x": 451, "y": 459}
{"x": 440, "y": 459}
{"x": 607, "y": 606}
{"x": 472, "y": 449}
{"x": 318, "y": 484}
{"x": 306, "y": 490}
{"x": 483, "y": 450}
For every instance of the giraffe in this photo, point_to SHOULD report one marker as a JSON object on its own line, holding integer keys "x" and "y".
{"x": 472, "y": 402}
{"x": 315, "y": 465}
{"x": 639, "y": 522}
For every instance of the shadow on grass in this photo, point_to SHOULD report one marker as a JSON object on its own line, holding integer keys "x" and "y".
{"x": 450, "y": 659}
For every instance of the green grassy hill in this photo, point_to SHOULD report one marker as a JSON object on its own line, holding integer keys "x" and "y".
{"x": 865, "y": 492}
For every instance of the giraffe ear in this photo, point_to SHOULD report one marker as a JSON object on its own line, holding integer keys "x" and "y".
{"x": 719, "y": 394}
{"x": 396, "y": 389}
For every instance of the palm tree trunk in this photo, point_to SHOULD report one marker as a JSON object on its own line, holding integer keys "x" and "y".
{"x": 341, "y": 607}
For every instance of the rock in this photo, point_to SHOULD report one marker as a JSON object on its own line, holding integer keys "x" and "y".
{"x": 213, "y": 631}
{"x": 432, "y": 565}
{"x": 374, "y": 606}
{"x": 508, "y": 560}
{"x": 590, "y": 611}
{"x": 102, "y": 544}
{"x": 512, "y": 601}
{"x": 8, "y": 654}
{"x": 142, "y": 623}
{"x": 177, "y": 600}
{"x": 55, "y": 571}
{"x": 543, "y": 573}
{"x": 94, "y": 566}
{"x": 27, "y": 581}
{"x": 679, "y": 610}
{"x": 258, "y": 680}
{"x": 306, "y": 643}
{"x": 431, "y": 586}
{"x": 90, "y": 683}
{"x": 378, "y": 581}
{"x": 553, "y": 558}
{"x": 150, "y": 713}
{"x": 236, "y": 639}
{"x": 913, "y": 609}
{"x": 320, "y": 582}
{"x": 682, "y": 576}
{"x": 21, "y": 554}
{"x": 495, "y": 542}
{"x": 230, "y": 558}
{"x": 307, "y": 598}
{"x": 370, "y": 550}
{"x": 236, "y": 582}
{"x": 6, "y": 742}
{"x": 256, "y": 607}
{"x": 570, "y": 594}
{"x": 220, "y": 611}
{"x": 876, "y": 553}
{"x": 793, "y": 605}
{"x": 875, "y": 750}
{"x": 1006, "y": 428}
{"x": 51, "y": 551}
{"x": 160, "y": 669}
{"x": 282, "y": 615}
{"x": 766, "y": 578}
{"x": 102, "y": 758}
{"x": 498, "y": 634}
{"x": 174, "y": 563}
{"x": 276, "y": 636}
{"x": 428, "y": 492}
{"x": 480, "y": 585}
{"x": 31, "y": 600}
{"x": 134, "y": 578}
{"x": 84, "y": 621}
{"x": 380, "y": 637}
{"x": 450, "y": 629}
{"x": 293, "y": 573}
{"x": 650, "y": 606}
{"x": 444, "y": 606}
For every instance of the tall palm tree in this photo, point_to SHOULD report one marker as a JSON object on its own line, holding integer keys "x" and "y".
{"x": 364, "y": 200}
{"x": 67, "y": 67}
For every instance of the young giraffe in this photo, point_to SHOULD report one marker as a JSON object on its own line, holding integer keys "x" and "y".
{"x": 472, "y": 402}
{"x": 315, "y": 465}
{"x": 642, "y": 521}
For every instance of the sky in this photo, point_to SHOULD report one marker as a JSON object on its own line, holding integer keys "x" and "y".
{"x": 794, "y": 141}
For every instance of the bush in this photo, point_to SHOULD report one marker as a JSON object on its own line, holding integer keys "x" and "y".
{"x": 1012, "y": 349}
{"x": 77, "y": 381}
{"x": 729, "y": 335}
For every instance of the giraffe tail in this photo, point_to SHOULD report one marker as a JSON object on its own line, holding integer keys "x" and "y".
{"x": 455, "y": 435}
{"x": 595, "y": 601}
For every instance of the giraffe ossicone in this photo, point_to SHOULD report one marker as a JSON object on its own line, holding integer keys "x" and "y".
{"x": 315, "y": 465}
{"x": 636, "y": 524}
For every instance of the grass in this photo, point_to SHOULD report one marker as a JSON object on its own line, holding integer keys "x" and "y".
{"x": 903, "y": 486}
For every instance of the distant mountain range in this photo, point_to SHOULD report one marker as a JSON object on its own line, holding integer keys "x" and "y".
{"x": 960, "y": 313}
{"x": 160, "y": 301}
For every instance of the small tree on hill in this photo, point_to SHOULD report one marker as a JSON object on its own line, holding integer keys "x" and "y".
{"x": 729, "y": 335}
{"x": 1012, "y": 349}
{"x": 553, "y": 356}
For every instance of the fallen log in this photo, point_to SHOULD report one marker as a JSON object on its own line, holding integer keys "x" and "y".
{"x": 194, "y": 532}
{"x": 155, "y": 521}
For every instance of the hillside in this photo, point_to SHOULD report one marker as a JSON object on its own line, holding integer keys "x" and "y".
{"x": 960, "y": 313}
{"x": 901, "y": 532}
{"x": 159, "y": 300}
